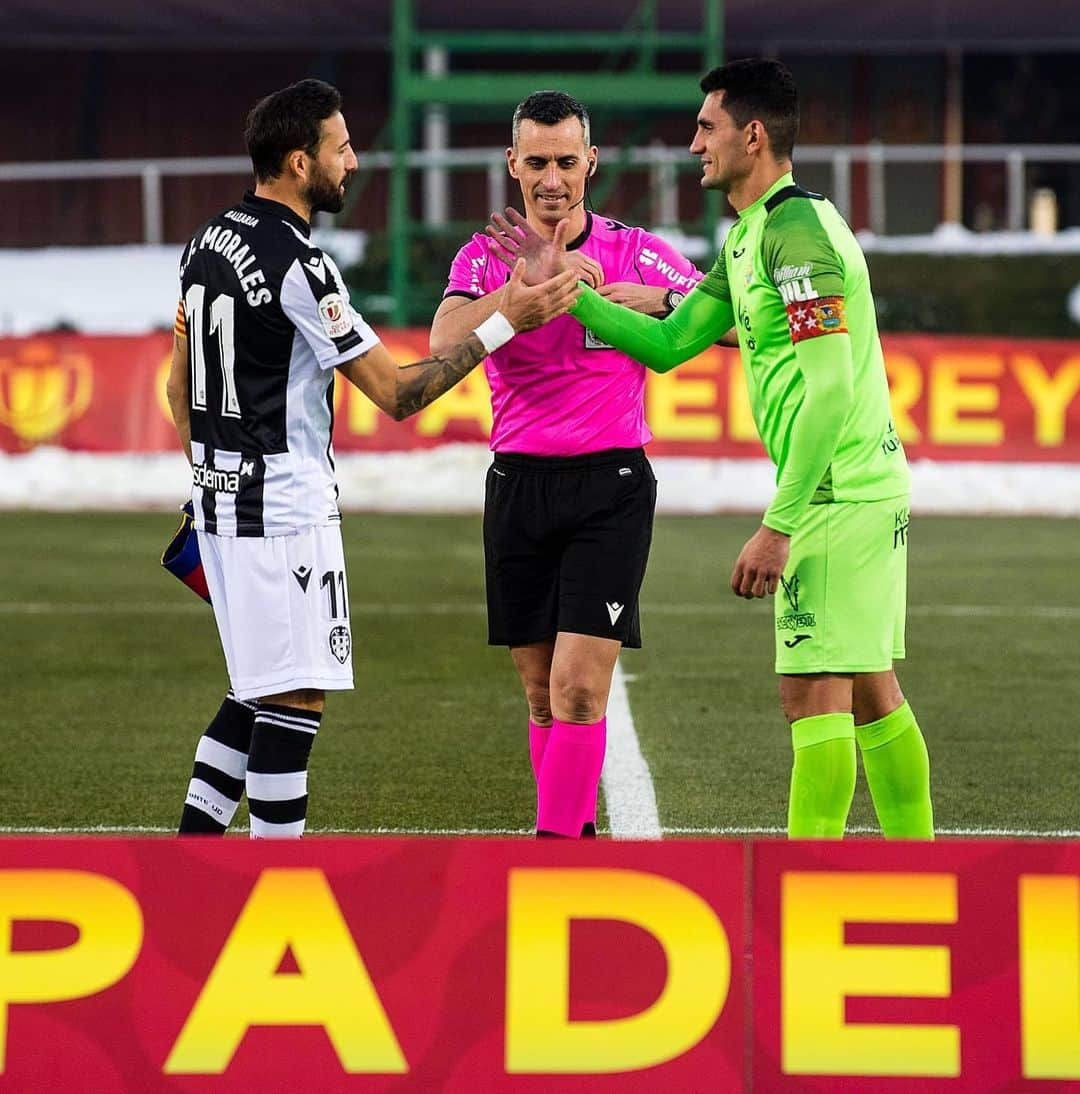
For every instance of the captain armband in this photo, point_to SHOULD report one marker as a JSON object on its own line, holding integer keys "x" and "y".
{"x": 813, "y": 318}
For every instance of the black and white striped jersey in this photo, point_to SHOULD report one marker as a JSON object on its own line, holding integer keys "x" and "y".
{"x": 268, "y": 318}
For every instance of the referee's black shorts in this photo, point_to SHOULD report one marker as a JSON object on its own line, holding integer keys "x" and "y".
{"x": 566, "y": 542}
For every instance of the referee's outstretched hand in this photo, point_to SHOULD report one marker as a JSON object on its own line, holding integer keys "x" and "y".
{"x": 512, "y": 237}
{"x": 531, "y": 306}
{"x": 761, "y": 563}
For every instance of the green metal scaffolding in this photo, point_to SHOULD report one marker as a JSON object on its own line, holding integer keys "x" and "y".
{"x": 638, "y": 89}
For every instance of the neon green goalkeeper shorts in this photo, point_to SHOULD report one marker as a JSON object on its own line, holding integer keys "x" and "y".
{"x": 842, "y": 602}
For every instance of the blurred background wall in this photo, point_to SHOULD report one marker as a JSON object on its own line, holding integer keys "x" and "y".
{"x": 946, "y": 131}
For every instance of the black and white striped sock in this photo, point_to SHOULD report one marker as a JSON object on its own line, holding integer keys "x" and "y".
{"x": 277, "y": 770}
{"x": 217, "y": 779}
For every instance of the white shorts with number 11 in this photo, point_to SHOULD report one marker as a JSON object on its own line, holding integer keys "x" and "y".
{"x": 282, "y": 610}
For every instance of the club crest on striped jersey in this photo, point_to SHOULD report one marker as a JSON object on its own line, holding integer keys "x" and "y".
{"x": 336, "y": 315}
{"x": 340, "y": 643}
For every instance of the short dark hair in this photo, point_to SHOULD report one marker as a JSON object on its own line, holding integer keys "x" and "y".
{"x": 759, "y": 88}
{"x": 549, "y": 108}
{"x": 286, "y": 120}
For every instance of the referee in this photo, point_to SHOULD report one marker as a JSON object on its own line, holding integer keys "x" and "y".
{"x": 263, "y": 324}
{"x": 570, "y": 494}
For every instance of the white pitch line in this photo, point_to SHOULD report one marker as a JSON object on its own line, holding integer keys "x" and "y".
{"x": 775, "y": 830}
{"x": 152, "y": 829}
{"x": 731, "y": 831}
{"x": 626, "y": 781}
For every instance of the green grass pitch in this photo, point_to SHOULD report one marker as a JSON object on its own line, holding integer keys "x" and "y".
{"x": 111, "y": 670}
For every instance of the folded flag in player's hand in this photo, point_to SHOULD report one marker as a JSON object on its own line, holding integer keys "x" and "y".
{"x": 181, "y": 557}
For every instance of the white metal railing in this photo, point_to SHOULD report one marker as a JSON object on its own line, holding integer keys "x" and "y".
{"x": 662, "y": 162}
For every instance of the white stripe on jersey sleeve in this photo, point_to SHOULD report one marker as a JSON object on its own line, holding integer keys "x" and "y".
{"x": 317, "y": 319}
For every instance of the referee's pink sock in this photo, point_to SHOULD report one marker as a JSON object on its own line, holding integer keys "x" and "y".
{"x": 599, "y": 751}
{"x": 566, "y": 788}
{"x": 538, "y": 739}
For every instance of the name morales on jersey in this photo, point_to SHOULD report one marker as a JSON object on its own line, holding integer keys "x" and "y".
{"x": 651, "y": 258}
{"x": 230, "y": 245}
{"x": 221, "y": 482}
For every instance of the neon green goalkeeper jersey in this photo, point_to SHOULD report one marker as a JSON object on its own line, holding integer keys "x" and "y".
{"x": 793, "y": 281}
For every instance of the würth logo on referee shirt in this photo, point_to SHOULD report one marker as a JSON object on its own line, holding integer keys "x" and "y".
{"x": 614, "y": 609}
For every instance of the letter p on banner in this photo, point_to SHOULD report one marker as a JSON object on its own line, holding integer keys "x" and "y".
{"x": 110, "y": 928}
{"x": 540, "y": 1038}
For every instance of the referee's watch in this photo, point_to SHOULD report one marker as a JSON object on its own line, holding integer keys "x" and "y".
{"x": 672, "y": 299}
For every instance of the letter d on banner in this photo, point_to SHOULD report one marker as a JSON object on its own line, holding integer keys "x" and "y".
{"x": 540, "y": 1038}
{"x": 110, "y": 928}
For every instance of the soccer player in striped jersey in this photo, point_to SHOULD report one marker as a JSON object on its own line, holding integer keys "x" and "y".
{"x": 263, "y": 325}
{"x": 833, "y": 540}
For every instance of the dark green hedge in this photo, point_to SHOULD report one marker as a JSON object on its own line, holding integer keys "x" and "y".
{"x": 1019, "y": 295}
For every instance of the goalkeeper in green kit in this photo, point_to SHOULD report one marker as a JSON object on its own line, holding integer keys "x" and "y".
{"x": 832, "y": 546}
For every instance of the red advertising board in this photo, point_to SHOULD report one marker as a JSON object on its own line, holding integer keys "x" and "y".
{"x": 910, "y": 968}
{"x": 463, "y": 966}
{"x": 953, "y": 399}
{"x": 396, "y": 965}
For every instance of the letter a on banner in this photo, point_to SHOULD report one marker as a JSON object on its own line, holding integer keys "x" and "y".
{"x": 110, "y": 934}
{"x": 540, "y": 1038}
{"x": 289, "y": 909}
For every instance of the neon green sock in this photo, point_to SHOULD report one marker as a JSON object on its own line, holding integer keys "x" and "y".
{"x": 898, "y": 773}
{"x": 822, "y": 777}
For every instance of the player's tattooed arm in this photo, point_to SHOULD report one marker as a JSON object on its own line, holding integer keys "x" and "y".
{"x": 401, "y": 390}
{"x": 424, "y": 381}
